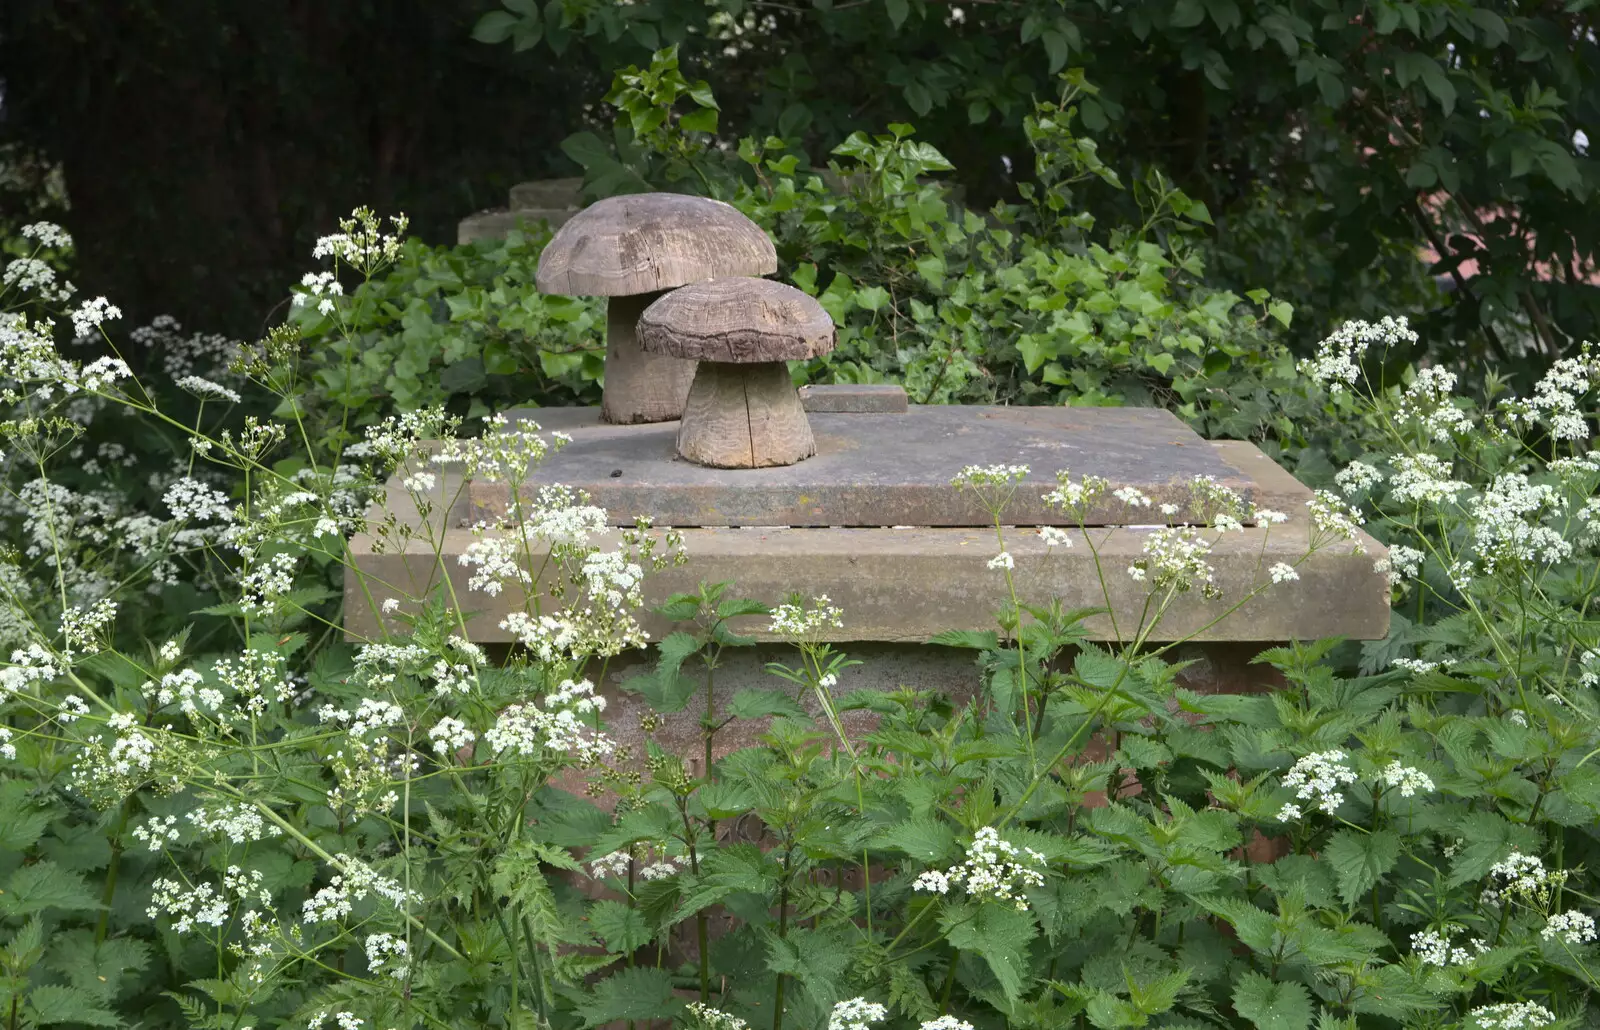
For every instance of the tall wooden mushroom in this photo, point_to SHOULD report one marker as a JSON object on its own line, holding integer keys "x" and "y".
{"x": 743, "y": 410}
{"x": 631, "y": 248}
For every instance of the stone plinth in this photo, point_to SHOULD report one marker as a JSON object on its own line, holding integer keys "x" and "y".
{"x": 905, "y": 583}
{"x": 879, "y": 469}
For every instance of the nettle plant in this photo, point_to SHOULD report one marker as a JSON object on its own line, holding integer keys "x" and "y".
{"x": 256, "y": 824}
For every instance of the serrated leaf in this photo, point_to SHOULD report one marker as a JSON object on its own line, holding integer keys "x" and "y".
{"x": 1359, "y": 859}
{"x": 925, "y": 838}
{"x": 44, "y": 885}
{"x": 999, "y": 934}
{"x": 725, "y": 800}
{"x": 759, "y": 704}
{"x": 977, "y": 640}
{"x": 623, "y": 929}
{"x": 1272, "y": 1006}
{"x": 640, "y": 993}
{"x": 50, "y": 1004}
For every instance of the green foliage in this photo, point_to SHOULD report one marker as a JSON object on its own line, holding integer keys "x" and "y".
{"x": 459, "y": 326}
{"x": 1272, "y": 113}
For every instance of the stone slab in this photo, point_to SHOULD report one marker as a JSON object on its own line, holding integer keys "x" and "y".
{"x": 560, "y": 194}
{"x": 877, "y": 469}
{"x": 861, "y": 398}
{"x": 496, "y": 224}
{"x": 906, "y": 585}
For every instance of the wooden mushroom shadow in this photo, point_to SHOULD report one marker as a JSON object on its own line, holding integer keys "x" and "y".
{"x": 743, "y": 410}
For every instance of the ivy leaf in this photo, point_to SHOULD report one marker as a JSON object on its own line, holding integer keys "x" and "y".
{"x": 1359, "y": 859}
{"x": 622, "y": 928}
{"x": 1272, "y": 1006}
{"x": 641, "y": 993}
{"x": 494, "y": 27}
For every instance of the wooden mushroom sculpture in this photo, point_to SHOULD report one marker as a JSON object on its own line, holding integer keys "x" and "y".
{"x": 743, "y": 410}
{"x": 631, "y": 248}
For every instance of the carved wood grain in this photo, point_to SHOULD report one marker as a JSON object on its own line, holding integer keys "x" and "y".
{"x": 744, "y": 416}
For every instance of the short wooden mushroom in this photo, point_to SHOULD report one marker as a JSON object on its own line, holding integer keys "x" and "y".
{"x": 742, "y": 411}
{"x": 630, "y": 249}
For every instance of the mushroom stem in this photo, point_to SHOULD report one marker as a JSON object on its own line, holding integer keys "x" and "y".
{"x": 744, "y": 416}
{"x": 639, "y": 386}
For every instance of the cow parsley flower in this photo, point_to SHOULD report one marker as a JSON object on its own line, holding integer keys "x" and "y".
{"x": 1520, "y": 1015}
{"x": 1283, "y": 572}
{"x": 1336, "y": 361}
{"x": 1408, "y": 779}
{"x": 715, "y": 1019}
{"x": 1054, "y": 536}
{"x": 1572, "y": 927}
{"x": 449, "y": 735}
{"x": 1003, "y": 560}
{"x": 946, "y": 1023}
{"x": 803, "y": 622}
{"x": 387, "y": 953}
{"x": 1522, "y": 877}
{"x": 1317, "y": 778}
{"x": 995, "y": 869}
{"x": 856, "y": 1014}
{"x": 1434, "y": 947}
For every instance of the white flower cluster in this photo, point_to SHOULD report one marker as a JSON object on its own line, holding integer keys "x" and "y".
{"x": 262, "y": 585}
{"x": 361, "y": 243}
{"x": 800, "y": 622}
{"x": 1555, "y": 400}
{"x": 85, "y": 630}
{"x": 1522, "y": 877}
{"x": 335, "y": 901}
{"x": 530, "y": 730}
{"x": 946, "y": 1023}
{"x": 205, "y": 904}
{"x": 1434, "y": 948}
{"x": 973, "y": 476}
{"x": 1002, "y": 561}
{"x": 92, "y": 314}
{"x": 157, "y": 832}
{"x": 207, "y": 390}
{"x": 1317, "y": 778}
{"x": 1175, "y": 560}
{"x": 239, "y": 823}
{"x": 1571, "y": 927}
{"x": 1423, "y": 479}
{"x": 387, "y": 953}
{"x": 1402, "y": 563}
{"x": 191, "y": 500}
{"x": 1519, "y": 1015}
{"x": 1337, "y": 357}
{"x": 1357, "y": 478}
{"x": 449, "y": 734}
{"x": 856, "y": 1014}
{"x": 994, "y": 869}
{"x": 654, "y": 863}
{"x": 715, "y": 1019}
{"x": 1054, "y": 536}
{"x": 48, "y": 234}
{"x": 1332, "y": 517}
{"x": 321, "y": 287}
{"x": 1075, "y": 496}
{"x": 29, "y": 665}
{"x": 1408, "y": 779}
{"x": 343, "y": 1020}
{"x": 1506, "y": 525}
{"x": 495, "y": 561}
{"x": 1428, "y": 402}
{"x": 1283, "y": 572}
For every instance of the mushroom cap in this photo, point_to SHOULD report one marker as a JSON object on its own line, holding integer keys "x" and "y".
{"x": 738, "y": 320}
{"x": 646, "y": 242}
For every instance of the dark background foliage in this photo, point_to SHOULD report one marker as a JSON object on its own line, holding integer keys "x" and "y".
{"x": 205, "y": 145}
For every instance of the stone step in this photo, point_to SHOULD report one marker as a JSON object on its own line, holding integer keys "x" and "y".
{"x": 495, "y": 224}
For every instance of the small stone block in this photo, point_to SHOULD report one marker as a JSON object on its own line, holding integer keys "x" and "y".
{"x": 855, "y": 398}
